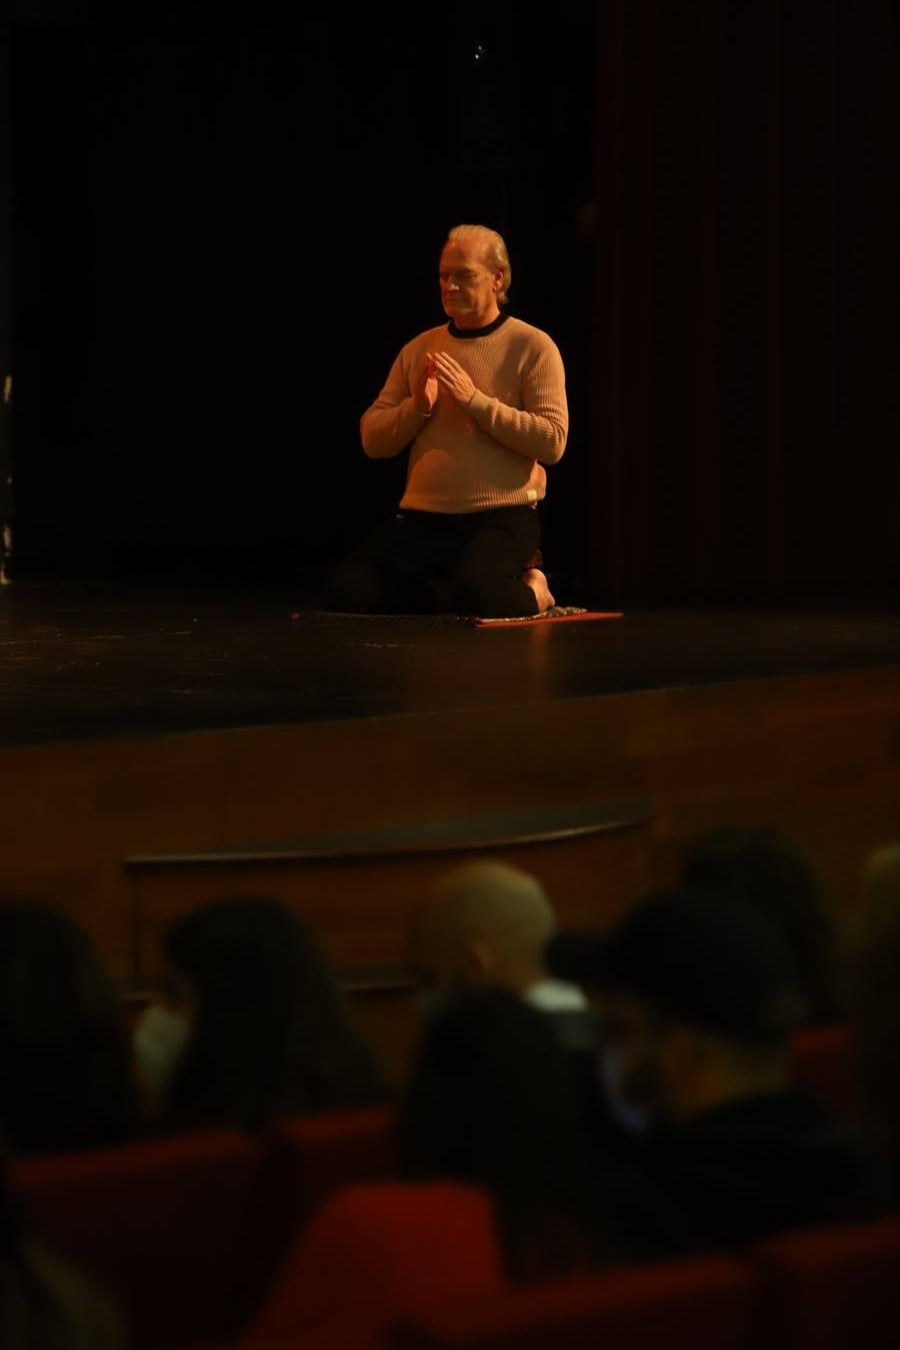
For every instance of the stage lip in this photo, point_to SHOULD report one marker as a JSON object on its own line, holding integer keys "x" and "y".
{"x": 491, "y": 830}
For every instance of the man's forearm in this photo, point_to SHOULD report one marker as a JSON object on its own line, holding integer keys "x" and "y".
{"x": 386, "y": 430}
{"x": 539, "y": 435}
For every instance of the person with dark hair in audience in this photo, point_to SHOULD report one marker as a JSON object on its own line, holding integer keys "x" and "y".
{"x": 492, "y": 1186}
{"x": 256, "y": 1026}
{"x": 716, "y": 1147}
{"x": 762, "y": 867}
{"x": 66, "y": 1070}
{"x": 45, "y": 1304}
{"x": 491, "y": 1102}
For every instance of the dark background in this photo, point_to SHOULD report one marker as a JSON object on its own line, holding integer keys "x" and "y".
{"x": 747, "y": 342}
{"x": 221, "y": 225}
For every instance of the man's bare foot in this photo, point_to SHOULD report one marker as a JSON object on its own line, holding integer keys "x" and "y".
{"x": 535, "y": 578}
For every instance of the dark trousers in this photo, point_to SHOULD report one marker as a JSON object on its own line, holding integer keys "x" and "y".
{"x": 420, "y": 562}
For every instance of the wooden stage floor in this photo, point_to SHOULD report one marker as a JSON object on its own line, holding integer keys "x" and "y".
{"x": 161, "y": 746}
{"x": 81, "y": 660}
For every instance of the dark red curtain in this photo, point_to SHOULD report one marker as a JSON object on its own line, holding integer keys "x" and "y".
{"x": 745, "y": 346}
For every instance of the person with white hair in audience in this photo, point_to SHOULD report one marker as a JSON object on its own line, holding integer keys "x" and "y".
{"x": 486, "y": 924}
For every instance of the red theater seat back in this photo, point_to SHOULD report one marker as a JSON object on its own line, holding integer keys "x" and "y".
{"x": 821, "y": 1059}
{"x": 697, "y": 1304}
{"x": 160, "y": 1225}
{"x": 322, "y": 1153}
{"x": 831, "y": 1288}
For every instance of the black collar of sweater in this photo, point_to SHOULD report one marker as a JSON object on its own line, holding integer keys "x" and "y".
{"x": 477, "y": 332}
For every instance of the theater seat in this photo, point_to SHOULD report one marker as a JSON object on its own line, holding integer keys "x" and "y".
{"x": 698, "y": 1304}
{"x": 160, "y": 1225}
{"x": 821, "y": 1059}
{"x": 831, "y": 1288}
{"x": 379, "y": 1250}
{"x": 323, "y": 1152}
{"x": 308, "y": 1158}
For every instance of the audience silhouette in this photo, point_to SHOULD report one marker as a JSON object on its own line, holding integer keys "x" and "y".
{"x": 268, "y": 1031}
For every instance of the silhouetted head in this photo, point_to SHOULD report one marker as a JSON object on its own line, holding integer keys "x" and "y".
{"x": 762, "y": 867}
{"x": 697, "y": 998}
{"x": 270, "y": 1030}
{"x": 65, "y": 1063}
{"x": 491, "y": 1101}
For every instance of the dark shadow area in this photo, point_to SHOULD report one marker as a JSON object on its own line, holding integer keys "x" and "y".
{"x": 224, "y": 228}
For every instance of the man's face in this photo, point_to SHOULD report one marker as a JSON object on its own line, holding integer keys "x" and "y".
{"x": 468, "y": 287}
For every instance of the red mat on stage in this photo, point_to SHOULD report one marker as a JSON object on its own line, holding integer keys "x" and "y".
{"x": 557, "y": 614}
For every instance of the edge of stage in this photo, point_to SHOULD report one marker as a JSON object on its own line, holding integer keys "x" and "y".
{"x": 163, "y": 745}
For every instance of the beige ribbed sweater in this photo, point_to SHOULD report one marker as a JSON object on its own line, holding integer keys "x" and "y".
{"x": 491, "y": 452}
